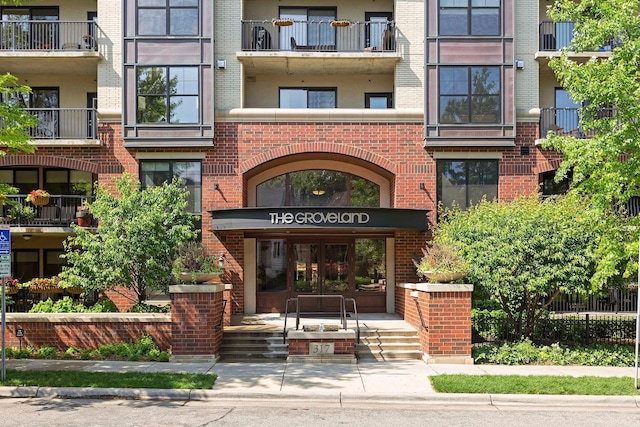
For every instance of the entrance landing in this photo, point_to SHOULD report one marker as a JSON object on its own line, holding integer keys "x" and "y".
{"x": 276, "y": 322}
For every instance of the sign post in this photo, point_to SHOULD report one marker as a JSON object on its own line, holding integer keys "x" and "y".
{"x": 5, "y": 273}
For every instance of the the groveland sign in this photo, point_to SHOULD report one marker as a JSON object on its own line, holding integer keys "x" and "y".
{"x": 297, "y": 218}
{"x": 320, "y": 218}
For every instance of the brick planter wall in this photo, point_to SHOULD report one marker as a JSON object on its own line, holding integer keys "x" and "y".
{"x": 445, "y": 310}
{"x": 86, "y": 330}
{"x": 197, "y": 317}
{"x": 344, "y": 343}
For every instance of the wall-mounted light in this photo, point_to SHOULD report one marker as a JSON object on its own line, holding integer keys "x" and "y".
{"x": 221, "y": 64}
{"x": 216, "y": 186}
{"x": 422, "y": 186}
{"x": 221, "y": 261}
{"x": 519, "y": 64}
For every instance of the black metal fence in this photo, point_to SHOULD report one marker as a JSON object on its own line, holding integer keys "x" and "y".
{"x": 567, "y": 329}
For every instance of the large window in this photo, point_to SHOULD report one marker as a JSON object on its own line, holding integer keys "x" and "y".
{"x": 469, "y": 17}
{"x": 168, "y": 17}
{"x": 311, "y": 27}
{"x": 272, "y": 265}
{"x": 157, "y": 172}
{"x": 318, "y": 188}
{"x": 465, "y": 182}
{"x": 168, "y": 95}
{"x": 469, "y": 94}
{"x": 307, "y": 97}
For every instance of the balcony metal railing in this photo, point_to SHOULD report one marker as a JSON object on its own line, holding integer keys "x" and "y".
{"x": 48, "y": 35}
{"x": 319, "y": 36}
{"x": 60, "y": 211}
{"x": 64, "y": 123}
{"x": 566, "y": 121}
{"x": 557, "y": 35}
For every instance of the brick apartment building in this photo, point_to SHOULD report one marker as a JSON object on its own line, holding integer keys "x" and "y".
{"x": 316, "y": 137}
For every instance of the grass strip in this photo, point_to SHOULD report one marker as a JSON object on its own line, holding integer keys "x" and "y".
{"x": 538, "y": 384}
{"x": 109, "y": 379}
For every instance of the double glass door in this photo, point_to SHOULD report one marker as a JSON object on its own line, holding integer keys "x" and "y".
{"x": 323, "y": 269}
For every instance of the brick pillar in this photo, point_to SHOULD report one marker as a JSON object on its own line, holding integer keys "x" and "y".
{"x": 442, "y": 314}
{"x": 196, "y": 321}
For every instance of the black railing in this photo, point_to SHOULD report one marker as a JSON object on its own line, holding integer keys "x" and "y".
{"x": 557, "y": 35}
{"x": 60, "y": 211}
{"x": 617, "y": 300}
{"x": 568, "y": 329}
{"x": 64, "y": 123}
{"x": 48, "y": 35}
{"x": 319, "y": 36}
{"x": 566, "y": 121}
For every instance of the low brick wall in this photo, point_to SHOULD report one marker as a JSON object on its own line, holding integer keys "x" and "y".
{"x": 86, "y": 330}
{"x": 442, "y": 314}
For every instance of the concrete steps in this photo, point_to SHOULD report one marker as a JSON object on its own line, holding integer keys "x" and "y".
{"x": 384, "y": 345}
{"x": 245, "y": 346}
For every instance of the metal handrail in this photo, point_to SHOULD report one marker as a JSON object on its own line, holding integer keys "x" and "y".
{"x": 355, "y": 312}
{"x": 221, "y": 323}
{"x": 286, "y": 315}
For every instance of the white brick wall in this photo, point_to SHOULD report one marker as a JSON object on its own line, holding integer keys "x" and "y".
{"x": 526, "y": 36}
{"x": 110, "y": 18}
{"x": 409, "y": 16}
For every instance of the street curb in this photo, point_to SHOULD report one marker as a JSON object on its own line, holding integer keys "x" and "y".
{"x": 344, "y": 398}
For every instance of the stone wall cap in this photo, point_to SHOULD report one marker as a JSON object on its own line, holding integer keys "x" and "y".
{"x": 302, "y": 335}
{"x": 197, "y": 289}
{"x": 438, "y": 287}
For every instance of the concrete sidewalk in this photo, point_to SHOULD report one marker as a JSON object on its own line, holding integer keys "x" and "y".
{"x": 398, "y": 381}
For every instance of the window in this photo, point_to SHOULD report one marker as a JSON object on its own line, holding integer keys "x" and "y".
{"x": 157, "y": 172}
{"x": 307, "y": 97}
{"x": 311, "y": 27}
{"x": 469, "y": 94}
{"x": 469, "y": 17}
{"x": 272, "y": 265}
{"x": 19, "y": 33}
{"x": 375, "y": 25}
{"x": 465, "y": 182}
{"x": 168, "y": 95}
{"x": 318, "y": 188}
{"x": 549, "y": 186}
{"x": 168, "y": 17}
{"x": 378, "y": 100}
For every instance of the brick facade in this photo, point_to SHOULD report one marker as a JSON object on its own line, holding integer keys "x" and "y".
{"x": 86, "y": 331}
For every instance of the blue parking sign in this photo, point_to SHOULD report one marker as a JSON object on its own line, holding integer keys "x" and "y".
{"x": 5, "y": 241}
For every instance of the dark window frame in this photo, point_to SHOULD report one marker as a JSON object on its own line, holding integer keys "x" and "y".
{"x": 168, "y": 95}
{"x": 308, "y": 90}
{"x": 469, "y": 17}
{"x": 470, "y": 94}
{"x": 369, "y": 95}
{"x": 168, "y": 9}
{"x": 171, "y": 173}
{"x": 439, "y": 189}
{"x": 367, "y": 28}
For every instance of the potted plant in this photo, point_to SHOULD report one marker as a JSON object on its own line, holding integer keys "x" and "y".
{"x": 23, "y": 214}
{"x": 38, "y": 197}
{"x": 441, "y": 263}
{"x": 84, "y": 216}
{"x": 282, "y": 22}
{"x": 340, "y": 23}
{"x": 192, "y": 265}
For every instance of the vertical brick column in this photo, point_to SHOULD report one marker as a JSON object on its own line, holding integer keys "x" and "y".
{"x": 442, "y": 314}
{"x": 196, "y": 320}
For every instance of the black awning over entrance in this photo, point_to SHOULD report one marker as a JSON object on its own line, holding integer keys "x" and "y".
{"x": 319, "y": 218}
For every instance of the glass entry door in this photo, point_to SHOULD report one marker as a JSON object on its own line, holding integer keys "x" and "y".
{"x": 321, "y": 268}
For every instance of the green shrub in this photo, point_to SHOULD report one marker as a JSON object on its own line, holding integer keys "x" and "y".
{"x": 148, "y": 308}
{"x": 525, "y": 352}
{"x": 47, "y": 353}
{"x": 164, "y": 356}
{"x": 64, "y": 305}
{"x": 103, "y": 306}
{"x": 85, "y": 355}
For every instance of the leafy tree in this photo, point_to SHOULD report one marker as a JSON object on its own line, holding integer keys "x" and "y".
{"x": 14, "y": 123}
{"x": 606, "y": 165}
{"x": 138, "y": 235}
{"x": 525, "y": 252}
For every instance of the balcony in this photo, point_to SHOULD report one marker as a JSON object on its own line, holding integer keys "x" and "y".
{"x": 318, "y": 46}
{"x": 64, "y": 126}
{"x": 554, "y": 36}
{"x": 566, "y": 121}
{"x": 49, "y": 46}
{"x": 59, "y": 212}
